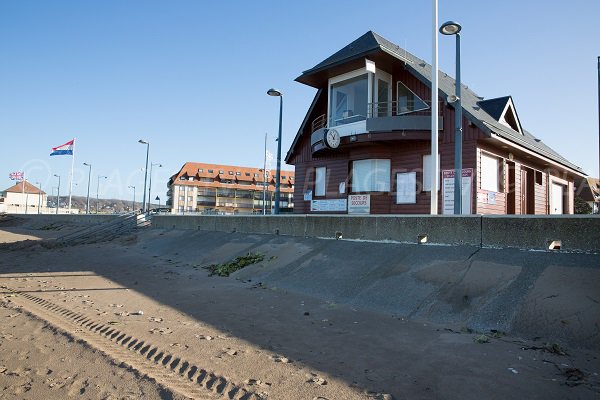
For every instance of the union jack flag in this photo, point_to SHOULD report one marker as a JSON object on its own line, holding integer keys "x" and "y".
{"x": 16, "y": 176}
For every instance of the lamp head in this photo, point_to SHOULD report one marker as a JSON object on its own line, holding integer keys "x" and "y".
{"x": 274, "y": 92}
{"x": 142, "y": 141}
{"x": 453, "y": 98}
{"x": 87, "y": 165}
{"x": 58, "y": 176}
{"x": 450, "y": 28}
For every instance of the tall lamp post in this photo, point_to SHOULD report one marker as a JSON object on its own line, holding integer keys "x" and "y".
{"x": 159, "y": 165}
{"x": 277, "y": 93}
{"x": 98, "y": 189}
{"x": 57, "y": 193}
{"x": 39, "y": 185}
{"x": 453, "y": 28}
{"x": 142, "y": 141}
{"x": 87, "y": 204}
{"x": 133, "y": 202}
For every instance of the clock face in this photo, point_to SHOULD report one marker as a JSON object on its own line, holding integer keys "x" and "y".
{"x": 332, "y": 138}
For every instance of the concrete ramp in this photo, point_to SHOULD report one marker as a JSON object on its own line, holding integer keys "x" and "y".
{"x": 551, "y": 295}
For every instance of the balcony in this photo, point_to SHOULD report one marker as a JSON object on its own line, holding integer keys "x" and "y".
{"x": 402, "y": 116}
{"x": 387, "y": 116}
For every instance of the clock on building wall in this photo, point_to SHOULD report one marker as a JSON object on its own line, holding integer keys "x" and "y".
{"x": 332, "y": 138}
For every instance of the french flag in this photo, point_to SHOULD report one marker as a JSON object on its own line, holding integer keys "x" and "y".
{"x": 64, "y": 149}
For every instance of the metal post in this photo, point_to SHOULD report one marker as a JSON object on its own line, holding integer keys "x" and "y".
{"x": 145, "y": 172}
{"x": 458, "y": 136}
{"x": 434, "y": 112}
{"x": 58, "y": 194}
{"x": 264, "y": 171}
{"x": 150, "y": 187}
{"x": 87, "y": 204}
{"x": 599, "y": 116}
{"x": 39, "y": 184}
{"x": 278, "y": 178}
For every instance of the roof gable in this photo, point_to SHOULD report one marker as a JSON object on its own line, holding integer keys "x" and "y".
{"x": 29, "y": 188}
{"x": 502, "y": 109}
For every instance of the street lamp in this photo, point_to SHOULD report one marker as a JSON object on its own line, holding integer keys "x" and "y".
{"x": 159, "y": 165}
{"x": 98, "y": 189}
{"x": 145, "y": 171}
{"x": 39, "y": 185}
{"x": 277, "y": 93}
{"x": 453, "y": 28}
{"x": 133, "y": 203}
{"x": 87, "y": 205}
{"x": 57, "y": 193}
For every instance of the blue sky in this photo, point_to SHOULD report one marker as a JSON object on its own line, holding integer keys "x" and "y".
{"x": 191, "y": 77}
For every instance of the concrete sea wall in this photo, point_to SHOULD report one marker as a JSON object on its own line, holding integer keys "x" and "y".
{"x": 567, "y": 232}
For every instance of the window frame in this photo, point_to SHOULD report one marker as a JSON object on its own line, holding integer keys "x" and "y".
{"x": 373, "y": 183}
{"x": 498, "y": 175}
{"x": 320, "y": 186}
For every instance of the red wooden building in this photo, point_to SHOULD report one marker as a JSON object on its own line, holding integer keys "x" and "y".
{"x": 364, "y": 145}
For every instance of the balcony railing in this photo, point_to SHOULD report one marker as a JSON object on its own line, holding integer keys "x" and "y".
{"x": 384, "y": 109}
{"x": 395, "y": 108}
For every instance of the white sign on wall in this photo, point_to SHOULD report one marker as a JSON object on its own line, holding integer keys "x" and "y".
{"x": 359, "y": 204}
{"x": 448, "y": 190}
{"x": 406, "y": 188}
{"x": 328, "y": 205}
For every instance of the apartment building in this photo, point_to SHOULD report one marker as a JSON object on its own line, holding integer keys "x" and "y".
{"x": 228, "y": 189}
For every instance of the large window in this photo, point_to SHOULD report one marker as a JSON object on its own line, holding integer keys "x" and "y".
{"x": 320, "y": 179}
{"x": 348, "y": 100}
{"x": 371, "y": 176}
{"x": 490, "y": 171}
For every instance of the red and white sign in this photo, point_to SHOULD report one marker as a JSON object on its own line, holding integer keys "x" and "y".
{"x": 359, "y": 204}
{"x": 448, "y": 190}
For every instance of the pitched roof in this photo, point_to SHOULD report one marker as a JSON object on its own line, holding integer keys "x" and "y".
{"x": 29, "y": 188}
{"x": 371, "y": 42}
{"x": 204, "y": 170}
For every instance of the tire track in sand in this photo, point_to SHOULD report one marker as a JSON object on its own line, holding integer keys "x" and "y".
{"x": 168, "y": 369}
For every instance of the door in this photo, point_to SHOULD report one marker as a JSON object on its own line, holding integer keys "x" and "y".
{"x": 511, "y": 195}
{"x": 527, "y": 191}
{"x": 557, "y": 194}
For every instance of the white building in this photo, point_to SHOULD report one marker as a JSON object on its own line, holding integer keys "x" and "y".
{"x": 23, "y": 198}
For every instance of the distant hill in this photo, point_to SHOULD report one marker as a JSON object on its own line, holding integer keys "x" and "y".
{"x": 105, "y": 206}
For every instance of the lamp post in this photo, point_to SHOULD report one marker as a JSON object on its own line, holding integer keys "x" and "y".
{"x": 57, "y": 193}
{"x": 39, "y": 185}
{"x": 453, "y": 28}
{"x": 98, "y": 189}
{"x": 277, "y": 93}
{"x": 150, "y": 183}
{"x": 87, "y": 204}
{"x": 145, "y": 171}
{"x": 133, "y": 202}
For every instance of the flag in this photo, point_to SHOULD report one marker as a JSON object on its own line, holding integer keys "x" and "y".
{"x": 63, "y": 149}
{"x": 16, "y": 176}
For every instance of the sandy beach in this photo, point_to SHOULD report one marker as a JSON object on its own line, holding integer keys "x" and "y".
{"x": 138, "y": 317}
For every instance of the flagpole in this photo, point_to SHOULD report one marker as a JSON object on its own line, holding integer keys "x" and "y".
{"x": 71, "y": 180}
{"x": 265, "y": 178}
